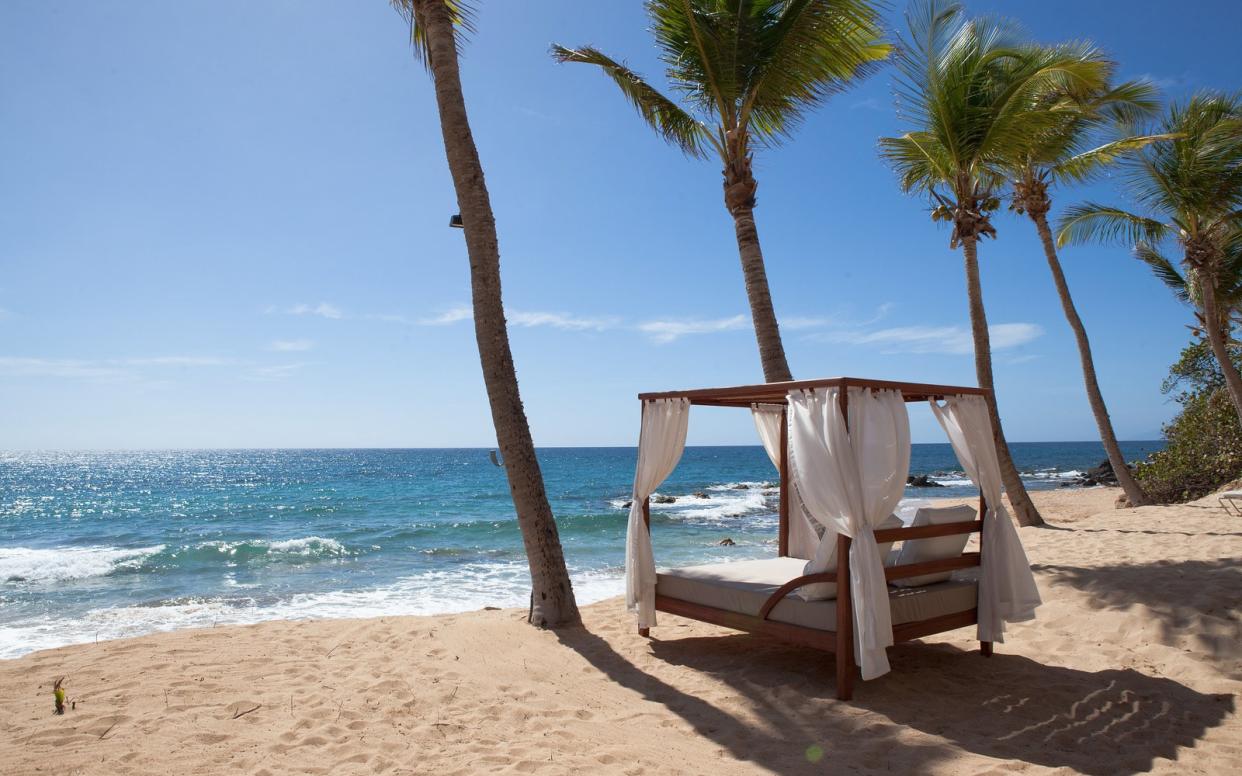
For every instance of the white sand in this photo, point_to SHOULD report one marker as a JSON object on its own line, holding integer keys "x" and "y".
{"x": 1134, "y": 664}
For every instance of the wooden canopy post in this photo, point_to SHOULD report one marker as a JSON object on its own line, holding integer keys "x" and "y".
{"x": 783, "y": 472}
{"x": 846, "y": 667}
{"x": 985, "y": 647}
{"x": 645, "y": 632}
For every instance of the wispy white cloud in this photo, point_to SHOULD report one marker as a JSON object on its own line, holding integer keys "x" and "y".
{"x": 1022, "y": 359}
{"x": 147, "y": 371}
{"x": 267, "y": 374}
{"x": 290, "y": 346}
{"x": 562, "y": 321}
{"x": 387, "y": 318}
{"x": 529, "y": 319}
{"x": 452, "y": 315}
{"x": 799, "y": 323}
{"x": 173, "y": 361}
{"x": 670, "y": 330}
{"x": 870, "y": 103}
{"x": 323, "y": 310}
{"x": 950, "y": 340}
{"x": 835, "y": 320}
{"x": 1164, "y": 82}
{"x": 70, "y": 368}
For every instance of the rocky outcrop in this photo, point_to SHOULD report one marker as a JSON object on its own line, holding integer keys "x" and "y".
{"x": 701, "y": 494}
{"x": 1100, "y": 475}
{"x": 726, "y": 542}
{"x": 663, "y": 499}
{"x": 922, "y": 481}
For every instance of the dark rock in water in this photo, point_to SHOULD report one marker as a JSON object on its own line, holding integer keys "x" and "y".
{"x": 726, "y": 542}
{"x": 627, "y": 505}
{"x": 664, "y": 500}
{"x": 701, "y": 494}
{"x": 1100, "y": 475}
{"x": 922, "y": 481}
{"x": 741, "y": 486}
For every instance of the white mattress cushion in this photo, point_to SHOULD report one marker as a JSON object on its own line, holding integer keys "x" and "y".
{"x": 922, "y": 550}
{"x": 826, "y": 591}
{"x": 744, "y": 586}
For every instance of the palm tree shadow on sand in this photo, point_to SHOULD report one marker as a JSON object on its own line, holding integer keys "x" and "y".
{"x": 1006, "y": 707}
{"x": 1195, "y": 601}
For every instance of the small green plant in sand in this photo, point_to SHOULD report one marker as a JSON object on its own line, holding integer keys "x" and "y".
{"x": 58, "y": 693}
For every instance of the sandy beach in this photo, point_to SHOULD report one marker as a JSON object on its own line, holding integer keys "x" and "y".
{"x": 1134, "y": 665}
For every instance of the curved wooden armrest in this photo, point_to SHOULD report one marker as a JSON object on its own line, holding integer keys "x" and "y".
{"x": 792, "y": 585}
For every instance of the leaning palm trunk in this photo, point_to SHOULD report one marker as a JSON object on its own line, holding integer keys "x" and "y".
{"x": 1134, "y": 493}
{"x": 552, "y": 596}
{"x": 1024, "y": 509}
{"x": 739, "y": 199}
{"x": 767, "y": 330}
{"x": 1216, "y": 338}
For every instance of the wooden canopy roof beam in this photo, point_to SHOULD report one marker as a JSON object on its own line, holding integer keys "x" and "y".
{"x": 775, "y": 393}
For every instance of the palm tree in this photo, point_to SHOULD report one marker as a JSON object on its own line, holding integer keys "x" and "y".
{"x": 748, "y": 71}
{"x": 1189, "y": 191}
{"x": 1061, "y": 154}
{"x": 1186, "y": 287}
{"x": 434, "y": 27}
{"x": 970, "y": 87}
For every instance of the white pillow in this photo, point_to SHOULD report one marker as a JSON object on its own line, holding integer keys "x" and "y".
{"x": 826, "y": 591}
{"x": 921, "y": 550}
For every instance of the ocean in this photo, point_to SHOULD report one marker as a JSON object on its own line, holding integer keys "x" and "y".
{"x": 104, "y": 545}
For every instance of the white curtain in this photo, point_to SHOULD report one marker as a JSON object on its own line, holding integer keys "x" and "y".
{"x": 660, "y": 444}
{"x": 1007, "y": 591}
{"x": 802, "y": 535}
{"x": 850, "y": 478}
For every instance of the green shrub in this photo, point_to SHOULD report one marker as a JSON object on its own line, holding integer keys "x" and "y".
{"x": 1203, "y": 450}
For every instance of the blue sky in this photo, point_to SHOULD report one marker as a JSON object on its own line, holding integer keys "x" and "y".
{"x": 224, "y": 225}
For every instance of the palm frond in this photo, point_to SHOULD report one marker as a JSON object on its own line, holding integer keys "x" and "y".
{"x": 1082, "y": 166}
{"x": 1091, "y": 222}
{"x": 797, "y": 53}
{"x": 1164, "y": 270}
{"x": 663, "y": 115}
{"x": 918, "y": 159}
{"x": 696, "y": 40}
{"x": 462, "y": 13}
{"x": 1129, "y": 103}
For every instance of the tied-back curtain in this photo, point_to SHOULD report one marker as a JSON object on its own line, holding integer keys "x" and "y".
{"x": 1007, "y": 591}
{"x": 850, "y": 478}
{"x": 802, "y": 535}
{"x": 660, "y": 444}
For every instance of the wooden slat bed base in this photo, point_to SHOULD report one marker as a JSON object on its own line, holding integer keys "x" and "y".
{"x": 946, "y": 622}
{"x": 801, "y": 635}
{"x": 794, "y": 634}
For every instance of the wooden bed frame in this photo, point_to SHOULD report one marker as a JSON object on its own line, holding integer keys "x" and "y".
{"x": 841, "y": 640}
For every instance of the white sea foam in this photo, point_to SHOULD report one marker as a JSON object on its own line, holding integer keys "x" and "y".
{"x": 467, "y": 587}
{"x": 723, "y": 501}
{"x": 24, "y": 564}
{"x": 306, "y": 546}
{"x": 310, "y": 545}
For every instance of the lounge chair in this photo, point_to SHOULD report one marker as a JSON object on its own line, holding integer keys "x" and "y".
{"x": 952, "y": 589}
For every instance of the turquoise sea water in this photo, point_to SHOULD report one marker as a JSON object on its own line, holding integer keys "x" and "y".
{"x": 101, "y": 545}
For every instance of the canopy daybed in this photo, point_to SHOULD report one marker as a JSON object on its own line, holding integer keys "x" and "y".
{"x": 841, "y": 447}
